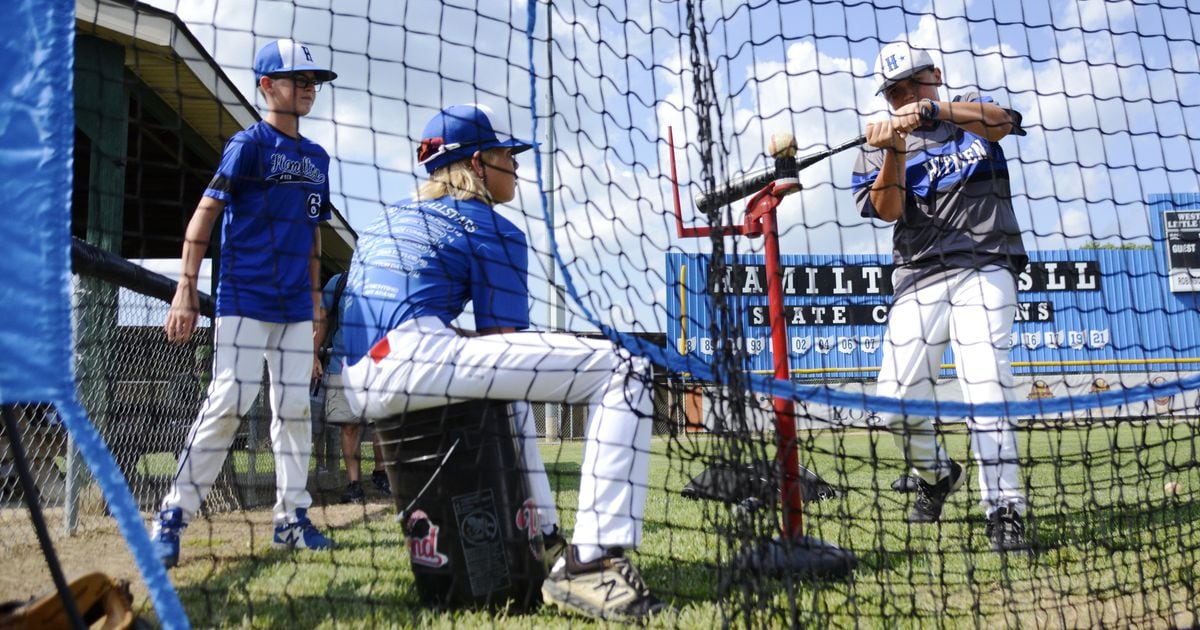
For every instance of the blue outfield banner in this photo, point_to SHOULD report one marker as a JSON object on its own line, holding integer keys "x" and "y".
{"x": 1079, "y": 311}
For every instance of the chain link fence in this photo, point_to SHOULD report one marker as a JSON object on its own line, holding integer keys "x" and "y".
{"x": 569, "y": 422}
{"x": 143, "y": 393}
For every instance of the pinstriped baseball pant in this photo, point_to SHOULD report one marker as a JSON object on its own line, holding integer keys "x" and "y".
{"x": 972, "y": 312}
{"x": 239, "y": 346}
{"x": 428, "y": 364}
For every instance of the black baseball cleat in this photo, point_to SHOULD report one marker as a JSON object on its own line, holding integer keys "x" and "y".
{"x": 1006, "y": 531}
{"x": 354, "y": 493}
{"x": 608, "y": 588}
{"x": 380, "y": 479}
{"x": 931, "y": 498}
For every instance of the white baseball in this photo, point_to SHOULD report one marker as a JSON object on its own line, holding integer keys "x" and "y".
{"x": 1171, "y": 487}
{"x": 782, "y": 144}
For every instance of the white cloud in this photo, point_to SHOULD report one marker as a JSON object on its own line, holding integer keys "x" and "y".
{"x": 1109, "y": 102}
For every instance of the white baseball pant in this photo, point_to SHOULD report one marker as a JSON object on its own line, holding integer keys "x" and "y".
{"x": 240, "y": 344}
{"x": 426, "y": 364}
{"x": 972, "y": 311}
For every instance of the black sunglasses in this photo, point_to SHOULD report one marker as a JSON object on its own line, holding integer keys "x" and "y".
{"x": 301, "y": 82}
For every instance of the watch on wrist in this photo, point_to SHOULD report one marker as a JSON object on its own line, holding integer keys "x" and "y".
{"x": 929, "y": 109}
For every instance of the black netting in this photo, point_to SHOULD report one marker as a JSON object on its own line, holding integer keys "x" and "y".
{"x": 744, "y": 318}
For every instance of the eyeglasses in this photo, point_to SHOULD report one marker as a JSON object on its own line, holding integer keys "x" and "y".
{"x": 499, "y": 163}
{"x": 301, "y": 82}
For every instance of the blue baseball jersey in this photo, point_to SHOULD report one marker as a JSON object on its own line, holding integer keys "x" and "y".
{"x": 429, "y": 258}
{"x": 276, "y": 192}
{"x": 337, "y": 348}
{"x": 958, "y": 205}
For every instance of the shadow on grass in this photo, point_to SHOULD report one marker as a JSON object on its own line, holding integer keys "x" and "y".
{"x": 367, "y": 581}
{"x": 1114, "y": 528}
{"x": 251, "y": 593}
{"x": 564, "y": 473}
{"x": 277, "y": 589}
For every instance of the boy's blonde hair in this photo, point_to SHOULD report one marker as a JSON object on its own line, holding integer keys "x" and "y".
{"x": 459, "y": 180}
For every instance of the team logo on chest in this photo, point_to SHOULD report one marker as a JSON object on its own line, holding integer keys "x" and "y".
{"x": 940, "y": 166}
{"x": 287, "y": 170}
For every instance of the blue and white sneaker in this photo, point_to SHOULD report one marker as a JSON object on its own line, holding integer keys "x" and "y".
{"x": 301, "y": 534}
{"x": 168, "y": 525}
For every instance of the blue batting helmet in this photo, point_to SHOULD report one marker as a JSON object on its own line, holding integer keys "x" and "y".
{"x": 457, "y": 132}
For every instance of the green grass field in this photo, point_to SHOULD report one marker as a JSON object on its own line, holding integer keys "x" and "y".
{"x": 1116, "y": 548}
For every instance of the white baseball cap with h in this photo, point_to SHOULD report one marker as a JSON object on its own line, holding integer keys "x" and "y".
{"x": 284, "y": 56}
{"x": 898, "y": 61}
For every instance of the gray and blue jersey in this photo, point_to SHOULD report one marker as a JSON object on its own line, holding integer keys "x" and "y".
{"x": 429, "y": 258}
{"x": 958, "y": 204}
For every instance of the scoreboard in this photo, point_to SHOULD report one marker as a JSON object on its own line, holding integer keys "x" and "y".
{"x": 1182, "y": 236}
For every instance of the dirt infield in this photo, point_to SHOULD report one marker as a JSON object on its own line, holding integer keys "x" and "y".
{"x": 99, "y": 546}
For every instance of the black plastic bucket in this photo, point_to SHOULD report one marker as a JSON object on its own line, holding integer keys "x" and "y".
{"x": 464, "y": 504}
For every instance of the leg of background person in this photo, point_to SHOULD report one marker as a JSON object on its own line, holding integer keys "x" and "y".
{"x": 983, "y": 310}
{"x": 289, "y": 361}
{"x": 532, "y": 465}
{"x": 428, "y": 364}
{"x": 239, "y": 344}
{"x": 352, "y": 450}
{"x": 916, "y": 339}
{"x": 378, "y": 451}
{"x": 349, "y": 427}
{"x": 320, "y": 428}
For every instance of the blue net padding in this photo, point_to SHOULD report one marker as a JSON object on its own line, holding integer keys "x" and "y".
{"x": 37, "y": 127}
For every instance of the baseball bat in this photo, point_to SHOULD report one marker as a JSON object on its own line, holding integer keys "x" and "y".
{"x": 737, "y": 188}
{"x": 749, "y": 183}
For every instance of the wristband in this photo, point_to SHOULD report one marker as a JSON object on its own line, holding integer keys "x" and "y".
{"x": 931, "y": 113}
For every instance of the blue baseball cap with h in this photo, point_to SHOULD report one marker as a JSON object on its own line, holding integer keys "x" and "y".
{"x": 457, "y": 132}
{"x": 284, "y": 56}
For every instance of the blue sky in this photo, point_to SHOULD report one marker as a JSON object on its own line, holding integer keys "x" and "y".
{"x": 1110, "y": 92}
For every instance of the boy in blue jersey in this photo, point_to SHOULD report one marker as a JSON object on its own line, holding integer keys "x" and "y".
{"x": 415, "y": 269}
{"x": 937, "y": 170}
{"x": 270, "y": 191}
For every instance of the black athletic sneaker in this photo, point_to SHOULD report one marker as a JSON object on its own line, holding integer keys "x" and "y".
{"x": 354, "y": 493}
{"x": 1006, "y": 531}
{"x": 380, "y": 479}
{"x": 609, "y": 588}
{"x": 931, "y": 498}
